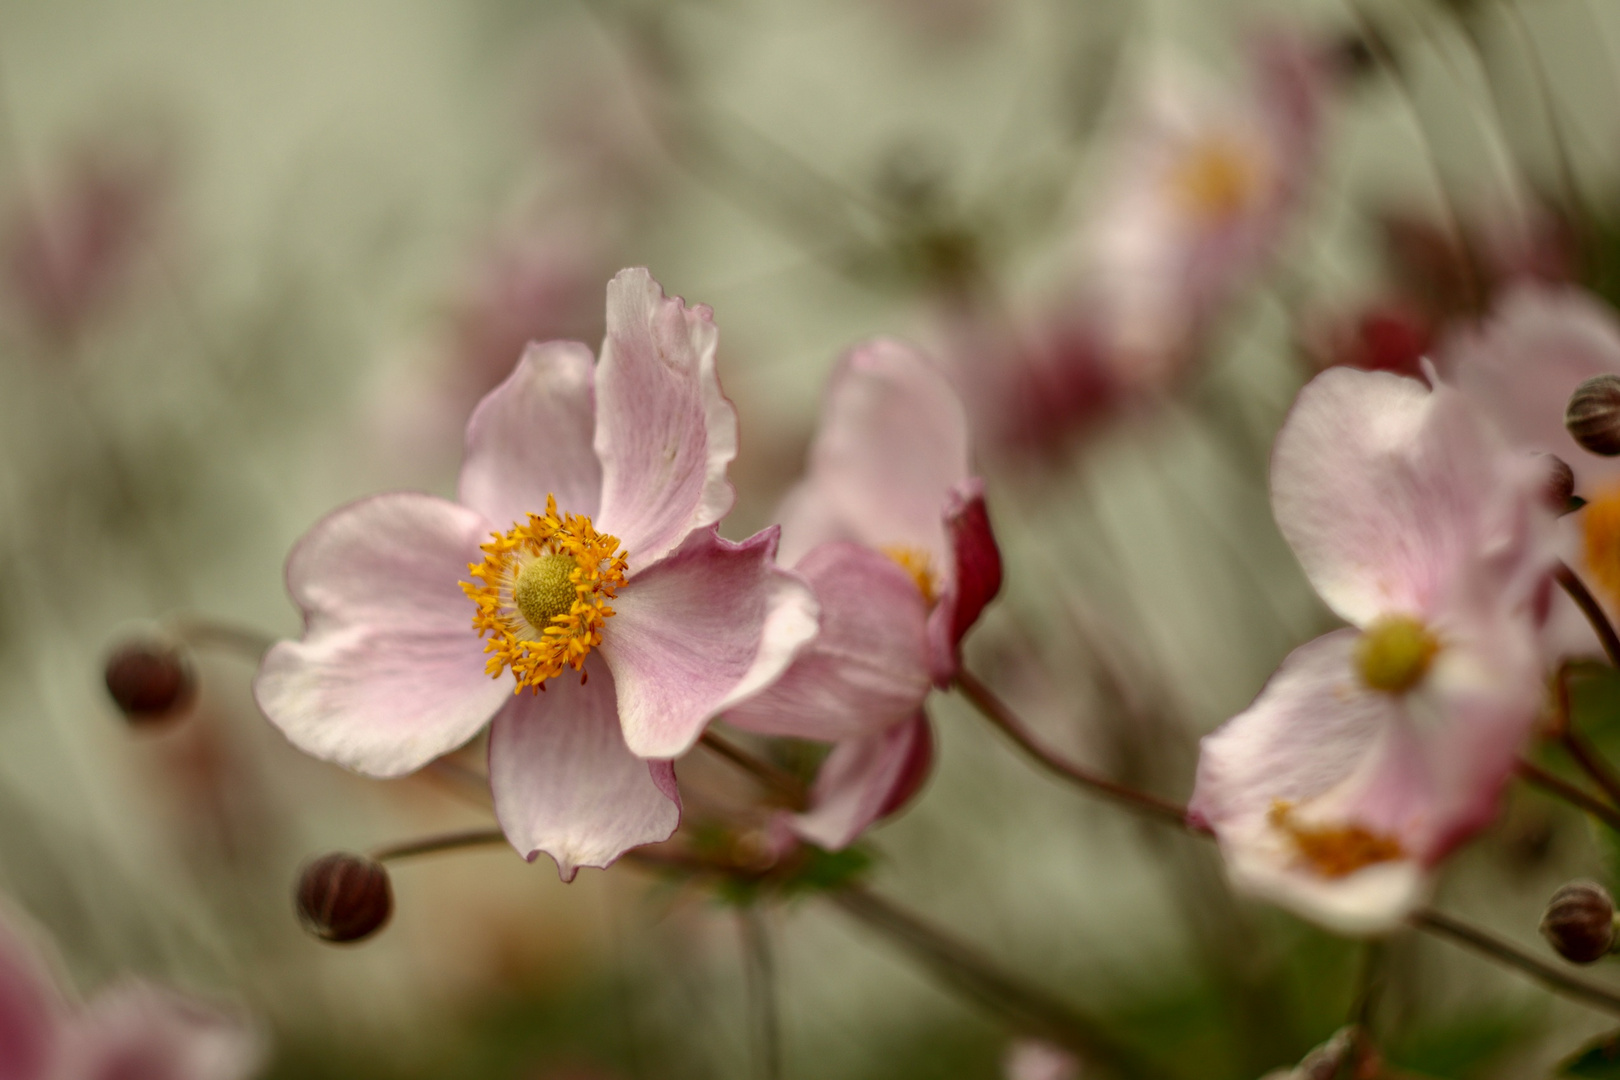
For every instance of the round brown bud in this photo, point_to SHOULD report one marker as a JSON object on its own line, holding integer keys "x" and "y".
{"x": 344, "y": 897}
{"x": 1593, "y": 415}
{"x": 1579, "y": 923}
{"x": 150, "y": 680}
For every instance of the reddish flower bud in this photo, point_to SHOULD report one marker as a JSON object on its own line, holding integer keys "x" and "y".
{"x": 1593, "y": 415}
{"x": 150, "y": 680}
{"x": 1579, "y": 923}
{"x": 1559, "y": 486}
{"x": 344, "y": 897}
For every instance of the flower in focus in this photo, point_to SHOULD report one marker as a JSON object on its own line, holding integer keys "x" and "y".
{"x": 132, "y": 1029}
{"x": 1375, "y": 750}
{"x": 578, "y": 592}
{"x": 1521, "y": 366}
{"x": 889, "y": 528}
{"x": 1196, "y": 201}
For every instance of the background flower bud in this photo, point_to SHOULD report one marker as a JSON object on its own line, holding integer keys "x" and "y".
{"x": 1593, "y": 415}
{"x": 344, "y": 897}
{"x": 1559, "y": 485}
{"x": 150, "y": 680}
{"x": 1579, "y": 923}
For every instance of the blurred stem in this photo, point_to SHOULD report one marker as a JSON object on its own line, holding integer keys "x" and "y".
{"x": 1486, "y": 944}
{"x": 1001, "y": 716}
{"x": 432, "y": 845}
{"x": 759, "y": 968}
{"x": 201, "y": 632}
{"x": 779, "y": 780}
{"x": 967, "y": 971}
{"x": 1535, "y": 775}
{"x": 1593, "y": 611}
{"x": 1587, "y": 756}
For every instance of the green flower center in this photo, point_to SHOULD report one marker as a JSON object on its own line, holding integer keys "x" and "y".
{"x": 545, "y": 589}
{"x": 1394, "y": 653}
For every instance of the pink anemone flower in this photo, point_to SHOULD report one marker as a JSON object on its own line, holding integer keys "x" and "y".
{"x": 1521, "y": 366}
{"x": 889, "y": 528}
{"x": 131, "y": 1029}
{"x": 578, "y": 593}
{"x": 1375, "y": 750}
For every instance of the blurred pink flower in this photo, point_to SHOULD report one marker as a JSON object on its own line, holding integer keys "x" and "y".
{"x": 391, "y": 672}
{"x": 129, "y": 1030}
{"x": 1199, "y": 191}
{"x": 1375, "y": 750}
{"x": 1036, "y": 1059}
{"x": 1384, "y": 336}
{"x": 1521, "y": 366}
{"x": 889, "y": 528}
{"x": 68, "y": 253}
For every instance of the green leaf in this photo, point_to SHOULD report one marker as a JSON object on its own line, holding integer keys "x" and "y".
{"x": 1599, "y": 1060}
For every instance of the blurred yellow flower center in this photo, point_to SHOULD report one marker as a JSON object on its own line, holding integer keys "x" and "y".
{"x": 1334, "y": 851}
{"x": 915, "y": 561}
{"x": 1394, "y": 653}
{"x": 1600, "y": 526}
{"x": 1217, "y": 179}
{"x": 541, "y": 594}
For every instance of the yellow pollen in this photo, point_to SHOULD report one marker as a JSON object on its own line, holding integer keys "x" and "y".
{"x": 541, "y": 594}
{"x": 1394, "y": 653}
{"x": 1600, "y": 526}
{"x": 916, "y": 562}
{"x": 1216, "y": 180}
{"x": 1334, "y": 851}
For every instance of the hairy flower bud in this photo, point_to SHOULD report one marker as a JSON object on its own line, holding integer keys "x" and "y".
{"x": 1558, "y": 487}
{"x": 1579, "y": 923}
{"x": 344, "y": 897}
{"x": 150, "y": 680}
{"x": 1593, "y": 415}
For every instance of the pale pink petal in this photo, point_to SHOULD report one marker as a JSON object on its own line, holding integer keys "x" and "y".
{"x": 531, "y": 437}
{"x": 975, "y": 580}
{"x": 1389, "y": 493}
{"x": 892, "y": 447}
{"x": 1538, "y": 345}
{"x": 30, "y": 1010}
{"x": 389, "y": 673}
{"x": 136, "y": 1031}
{"x": 864, "y": 780}
{"x": 866, "y": 670}
{"x": 664, "y": 433}
{"x": 1036, "y": 1059}
{"x": 566, "y": 784}
{"x": 712, "y": 624}
{"x": 1315, "y": 740}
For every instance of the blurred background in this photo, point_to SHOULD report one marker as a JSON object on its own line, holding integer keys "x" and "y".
{"x": 256, "y": 260}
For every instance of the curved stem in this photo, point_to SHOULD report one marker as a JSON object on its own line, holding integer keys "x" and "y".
{"x": 967, "y": 971}
{"x": 1593, "y": 611}
{"x": 760, "y": 977}
{"x": 201, "y": 632}
{"x": 1487, "y": 944}
{"x": 430, "y": 845}
{"x": 1535, "y": 775}
{"x": 1001, "y": 716}
{"x": 779, "y": 780}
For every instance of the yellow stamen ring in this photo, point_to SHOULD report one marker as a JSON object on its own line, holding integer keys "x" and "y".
{"x": 541, "y": 594}
{"x": 916, "y": 562}
{"x": 1334, "y": 851}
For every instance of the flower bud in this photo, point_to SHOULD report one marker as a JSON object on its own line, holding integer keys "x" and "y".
{"x": 150, "y": 680}
{"x": 1579, "y": 923}
{"x": 1593, "y": 415}
{"x": 344, "y": 897}
{"x": 1558, "y": 485}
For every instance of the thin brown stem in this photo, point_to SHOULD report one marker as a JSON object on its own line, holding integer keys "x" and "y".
{"x": 1591, "y": 762}
{"x": 1535, "y": 775}
{"x": 1593, "y": 611}
{"x": 430, "y": 845}
{"x": 1487, "y": 944}
{"x": 779, "y": 780}
{"x": 1001, "y": 716}
{"x": 970, "y": 973}
{"x": 201, "y": 632}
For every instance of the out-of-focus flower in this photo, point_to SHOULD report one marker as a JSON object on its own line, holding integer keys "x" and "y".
{"x": 1385, "y": 336}
{"x": 1375, "y": 750}
{"x": 1521, "y": 366}
{"x": 406, "y": 655}
{"x": 1036, "y": 1059}
{"x": 68, "y": 253}
{"x": 132, "y": 1029}
{"x": 1196, "y": 201}
{"x": 889, "y": 528}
